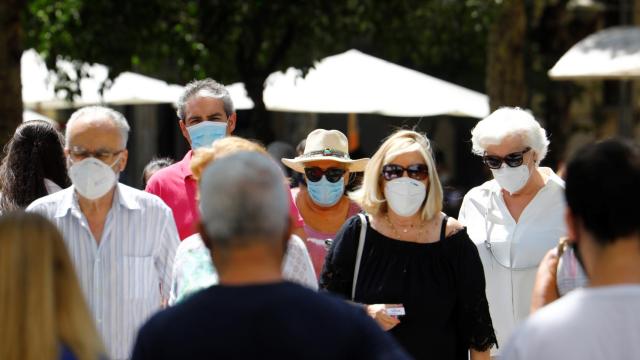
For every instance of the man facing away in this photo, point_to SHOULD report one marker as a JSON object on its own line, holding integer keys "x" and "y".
{"x": 253, "y": 313}
{"x": 122, "y": 241}
{"x": 205, "y": 113}
{"x": 601, "y": 321}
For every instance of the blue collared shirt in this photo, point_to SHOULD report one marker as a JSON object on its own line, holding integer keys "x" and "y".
{"x": 127, "y": 276}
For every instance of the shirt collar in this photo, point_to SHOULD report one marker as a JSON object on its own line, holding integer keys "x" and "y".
{"x": 69, "y": 201}
{"x": 185, "y": 165}
{"x": 125, "y": 199}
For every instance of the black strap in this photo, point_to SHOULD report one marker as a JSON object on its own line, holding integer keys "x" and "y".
{"x": 443, "y": 228}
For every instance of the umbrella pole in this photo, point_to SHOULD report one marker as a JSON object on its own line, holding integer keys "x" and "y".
{"x": 353, "y": 132}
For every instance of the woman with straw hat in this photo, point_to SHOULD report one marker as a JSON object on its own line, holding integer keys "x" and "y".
{"x": 321, "y": 198}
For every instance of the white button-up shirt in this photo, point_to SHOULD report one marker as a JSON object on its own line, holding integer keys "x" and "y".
{"x": 127, "y": 276}
{"x": 511, "y": 251}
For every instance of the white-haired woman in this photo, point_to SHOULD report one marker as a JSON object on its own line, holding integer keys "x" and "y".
{"x": 415, "y": 268}
{"x": 515, "y": 218}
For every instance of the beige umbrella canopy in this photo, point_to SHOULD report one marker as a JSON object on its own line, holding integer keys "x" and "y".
{"x": 612, "y": 53}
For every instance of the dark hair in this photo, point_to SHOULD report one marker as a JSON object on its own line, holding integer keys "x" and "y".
{"x": 154, "y": 165}
{"x": 35, "y": 152}
{"x": 603, "y": 189}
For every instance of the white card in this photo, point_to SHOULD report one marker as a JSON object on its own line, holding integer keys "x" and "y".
{"x": 395, "y": 311}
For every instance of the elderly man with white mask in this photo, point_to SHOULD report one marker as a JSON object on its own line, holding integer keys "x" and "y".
{"x": 515, "y": 218}
{"x": 122, "y": 241}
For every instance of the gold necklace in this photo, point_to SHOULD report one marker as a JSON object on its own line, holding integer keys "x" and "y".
{"x": 405, "y": 231}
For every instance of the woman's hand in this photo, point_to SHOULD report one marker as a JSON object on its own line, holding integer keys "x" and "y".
{"x": 379, "y": 313}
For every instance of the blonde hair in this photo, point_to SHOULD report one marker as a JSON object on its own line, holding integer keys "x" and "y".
{"x": 371, "y": 196}
{"x": 41, "y": 304}
{"x": 223, "y": 147}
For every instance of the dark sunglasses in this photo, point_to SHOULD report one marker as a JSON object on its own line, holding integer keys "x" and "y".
{"x": 333, "y": 174}
{"x": 512, "y": 160}
{"x": 415, "y": 171}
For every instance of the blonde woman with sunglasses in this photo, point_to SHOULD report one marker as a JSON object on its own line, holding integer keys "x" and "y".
{"x": 413, "y": 268}
{"x": 516, "y": 217}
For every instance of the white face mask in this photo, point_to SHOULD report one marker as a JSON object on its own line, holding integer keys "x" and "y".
{"x": 405, "y": 195}
{"x": 92, "y": 178}
{"x": 512, "y": 179}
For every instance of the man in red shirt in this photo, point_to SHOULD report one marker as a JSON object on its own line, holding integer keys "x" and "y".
{"x": 205, "y": 113}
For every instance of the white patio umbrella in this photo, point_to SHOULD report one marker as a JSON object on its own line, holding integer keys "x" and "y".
{"x": 128, "y": 88}
{"x": 28, "y": 115}
{"x": 612, "y": 53}
{"x": 354, "y": 82}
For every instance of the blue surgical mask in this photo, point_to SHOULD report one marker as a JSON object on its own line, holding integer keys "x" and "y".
{"x": 325, "y": 193}
{"x": 206, "y": 132}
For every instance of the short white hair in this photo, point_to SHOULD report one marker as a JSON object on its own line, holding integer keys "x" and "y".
{"x": 509, "y": 121}
{"x": 243, "y": 199}
{"x": 99, "y": 113}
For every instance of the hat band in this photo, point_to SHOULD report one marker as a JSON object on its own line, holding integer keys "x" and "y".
{"x": 327, "y": 152}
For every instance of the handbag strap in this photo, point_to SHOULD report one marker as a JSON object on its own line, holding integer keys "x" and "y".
{"x": 356, "y": 270}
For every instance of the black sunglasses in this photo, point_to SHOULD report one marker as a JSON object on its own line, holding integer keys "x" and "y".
{"x": 512, "y": 160}
{"x": 415, "y": 171}
{"x": 332, "y": 174}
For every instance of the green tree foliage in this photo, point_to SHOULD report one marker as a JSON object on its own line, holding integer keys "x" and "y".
{"x": 247, "y": 40}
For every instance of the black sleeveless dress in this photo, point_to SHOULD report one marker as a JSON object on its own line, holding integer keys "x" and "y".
{"x": 440, "y": 284}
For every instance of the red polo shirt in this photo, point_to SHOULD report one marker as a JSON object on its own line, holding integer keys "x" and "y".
{"x": 176, "y": 186}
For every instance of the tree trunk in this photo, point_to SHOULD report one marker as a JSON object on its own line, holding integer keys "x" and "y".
{"x": 259, "y": 119}
{"x": 10, "y": 54}
{"x": 506, "y": 84}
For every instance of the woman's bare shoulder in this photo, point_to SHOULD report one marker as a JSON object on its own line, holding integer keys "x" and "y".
{"x": 453, "y": 226}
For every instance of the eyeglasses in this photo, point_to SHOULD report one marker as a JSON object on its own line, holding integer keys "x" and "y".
{"x": 512, "y": 160}
{"x": 332, "y": 174}
{"x": 104, "y": 155}
{"x": 414, "y": 171}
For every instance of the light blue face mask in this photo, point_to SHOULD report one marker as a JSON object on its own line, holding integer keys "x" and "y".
{"x": 206, "y": 132}
{"x": 325, "y": 193}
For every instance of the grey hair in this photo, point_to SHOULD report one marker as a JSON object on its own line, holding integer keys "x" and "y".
{"x": 100, "y": 112}
{"x": 509, "y": 121}
{"x": 205, "y": 88}
{"x": 243, "y": 200}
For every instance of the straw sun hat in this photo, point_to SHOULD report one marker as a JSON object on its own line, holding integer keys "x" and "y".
{"x": 326, "y": 145}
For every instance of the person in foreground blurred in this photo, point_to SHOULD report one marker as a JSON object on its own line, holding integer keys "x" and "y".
{"x": 601, "y": 321}
{"x": 414, "y": 258}
{"x": 516, "y": 217}
{"x": 322, "y": 198}
{"x": 121, "y": 240}
{"x": 193, "y": 269}
{"x": 252, "y": 313}
{"x": 33, "y": 165}
{"x": 42, "y": 309}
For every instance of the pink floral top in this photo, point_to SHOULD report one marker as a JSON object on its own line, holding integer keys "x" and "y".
{"x": 316, "y": 242}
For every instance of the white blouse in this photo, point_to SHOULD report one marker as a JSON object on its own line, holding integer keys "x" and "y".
{"x": 511, "y": 251}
